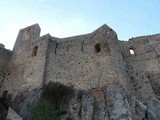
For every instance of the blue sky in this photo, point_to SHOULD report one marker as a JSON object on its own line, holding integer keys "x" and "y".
{"x": 64, "y": 18}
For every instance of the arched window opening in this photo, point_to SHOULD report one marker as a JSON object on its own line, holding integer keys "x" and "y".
{"x": 34, "y": 52}
{"x": 97, "y": 48}
{"x": 132, "y": 51}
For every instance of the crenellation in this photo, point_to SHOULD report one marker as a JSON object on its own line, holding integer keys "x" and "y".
{"x": 156, "y": 36}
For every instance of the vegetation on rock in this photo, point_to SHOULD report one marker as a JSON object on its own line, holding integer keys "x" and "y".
{"x": 43, "y": 110}
{"x": 2, "y": 112}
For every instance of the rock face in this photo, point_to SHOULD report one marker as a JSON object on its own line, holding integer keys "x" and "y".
{"x": 12, "y": 115}
{"x": 1, "y": 45}
{"x": 98, "y": 76}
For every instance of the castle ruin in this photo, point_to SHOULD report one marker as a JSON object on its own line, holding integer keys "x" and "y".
{"x": 87, "y": 62}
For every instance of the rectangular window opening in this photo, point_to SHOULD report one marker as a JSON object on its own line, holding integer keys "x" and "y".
{"x": 97, "y": 48}
{"x": 34, "y": 52}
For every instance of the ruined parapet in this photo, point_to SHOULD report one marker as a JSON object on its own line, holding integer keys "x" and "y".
{"x": 29, "y": 33}
{"x": 27, "y": 65}
{"x": 87, "y": 43}
{"x": 141, "y": 38}
{"x": 26, "y": 35}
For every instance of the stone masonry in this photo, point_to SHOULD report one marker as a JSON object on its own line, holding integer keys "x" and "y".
{"x": 120, "y": 74}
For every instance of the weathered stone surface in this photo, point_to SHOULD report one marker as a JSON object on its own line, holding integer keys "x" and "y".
{"x": 138, "y": 109}
{"x": 12, "y": 115}
{"x": 153, "y": 106}
{"x": 64, "y": 117}
{"x": 89, "y": 63}
{"x": 87, "y": 106}
{"x": 1, "y": 45}
{"x": 100, "y": 110}
{"x": 75, "y": 106}
{"x": 117, "y": 103}
{"x": 30, "y": 98}
{"x": 151, "y": 115}
{"x": 94, "y": 83}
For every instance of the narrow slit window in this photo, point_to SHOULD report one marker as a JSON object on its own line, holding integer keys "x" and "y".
{"x": 97, "y": 48}
{"x": 56, "y": 48}
{"x": 34, "y": 52}
{"x": 82, "y": 46}
{"x": 132, "y": 51}
{"x": 4, "y": 95}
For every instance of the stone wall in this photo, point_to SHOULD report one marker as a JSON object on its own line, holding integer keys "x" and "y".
{"x": 25, "y": 70}
{"x": 116, "y": 74}
{"x": 88, "y": 61}
{"x": 4, "y": 59}
{"x": 143, "y": 65}
{"x": 84, "y": 61}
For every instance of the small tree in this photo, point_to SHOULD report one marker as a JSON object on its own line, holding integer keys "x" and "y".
{"x": 43, "y": 110}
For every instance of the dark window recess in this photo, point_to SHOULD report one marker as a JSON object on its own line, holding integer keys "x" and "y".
{"x": 4, "y": 95}
{"x": 56, "y": 48}
{"x": 82, "y": 46}
{"x": 148, "y": 76}
{"x": 34, "y": 52}
{"x": 67, "y": 48}
{"x": 132, "y": 51}
{"x": 97, "y": 48}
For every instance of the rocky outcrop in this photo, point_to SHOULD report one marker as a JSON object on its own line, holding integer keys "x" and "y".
{"x": 114, "y": 104}
{"x": 12, "y": 115}
{"x": 1, "y": 45}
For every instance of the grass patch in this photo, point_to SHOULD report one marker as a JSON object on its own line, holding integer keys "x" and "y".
{"x": 43, "y": 110}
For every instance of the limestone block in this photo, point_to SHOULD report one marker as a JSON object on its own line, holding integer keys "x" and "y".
{"x": 100, "y": 110}
{"x": 74, "y": 108}
{"x": 117, "y": 103}
{"x": 139, "y": 110}
{"x": 94, "y": 83}
{"x": 12, "y": 115}
{"x": 87, "y": 107}
{"x": 153, "y": 106}
{"x": 64, "y": 117}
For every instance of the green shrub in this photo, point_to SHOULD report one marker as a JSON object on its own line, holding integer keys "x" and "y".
{"x": 2, "y": 116}
{"x": 3, "y": 112}
{"x": 43, "y": 110}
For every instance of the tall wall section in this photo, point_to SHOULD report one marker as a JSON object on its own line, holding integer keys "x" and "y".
{"x": 88, "y": 61}
{"x": 4, "y": 59}
{"x": 25, "y": 70}
{"x": 142, "y": 57}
